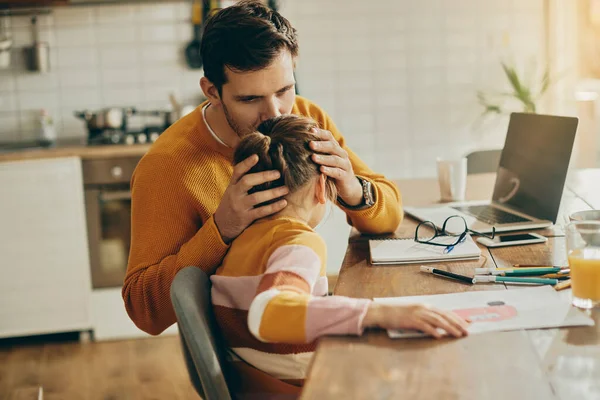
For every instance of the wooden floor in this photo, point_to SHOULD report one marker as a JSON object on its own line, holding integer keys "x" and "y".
{"x": 67, "y": 369}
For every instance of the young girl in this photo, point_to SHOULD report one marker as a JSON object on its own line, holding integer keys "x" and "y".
{"x": 269, "y": 295}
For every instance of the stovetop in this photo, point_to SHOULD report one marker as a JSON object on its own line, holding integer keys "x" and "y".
{"x": 118, "y": 136}
{"x": 124, "y": 125}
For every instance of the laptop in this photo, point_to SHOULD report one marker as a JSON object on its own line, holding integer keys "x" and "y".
{"x": 530, "y": 178}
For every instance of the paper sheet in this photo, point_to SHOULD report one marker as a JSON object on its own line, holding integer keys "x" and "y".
{"x": 500, "y": 310}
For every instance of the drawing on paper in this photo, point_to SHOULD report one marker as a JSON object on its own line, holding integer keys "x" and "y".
{"x": 495, "y": 311}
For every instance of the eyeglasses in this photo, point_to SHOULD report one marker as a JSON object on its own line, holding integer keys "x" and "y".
{"x": 454, "y": 226}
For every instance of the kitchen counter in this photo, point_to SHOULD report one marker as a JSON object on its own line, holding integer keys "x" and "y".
{"x": 71, "y": 150}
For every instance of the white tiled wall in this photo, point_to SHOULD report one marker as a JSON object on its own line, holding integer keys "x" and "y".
{"x": 399, "y": 77}
{"x": 110, "y": 55}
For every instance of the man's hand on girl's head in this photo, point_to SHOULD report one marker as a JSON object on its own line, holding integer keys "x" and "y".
{"x": 336, "y": 164}
{"x": 236, "y": 210}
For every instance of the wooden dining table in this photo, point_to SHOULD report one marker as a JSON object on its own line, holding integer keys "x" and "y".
{"x": 524, "y": 364}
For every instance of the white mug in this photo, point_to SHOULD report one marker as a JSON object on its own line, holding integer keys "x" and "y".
{"x": 452, "y": 176}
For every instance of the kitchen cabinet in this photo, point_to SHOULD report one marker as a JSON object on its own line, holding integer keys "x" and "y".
{"x": 44, "y": 264}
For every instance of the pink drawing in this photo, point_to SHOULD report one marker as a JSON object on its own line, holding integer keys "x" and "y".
{"x": 488, "y": 314}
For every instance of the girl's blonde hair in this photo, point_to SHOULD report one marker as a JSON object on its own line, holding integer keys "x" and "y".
{"x": 282, "y": 144}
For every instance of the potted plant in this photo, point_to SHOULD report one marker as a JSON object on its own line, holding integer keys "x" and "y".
{"x": 524, "y": 93}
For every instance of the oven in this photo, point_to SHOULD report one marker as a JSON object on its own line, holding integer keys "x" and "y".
{"x": 108, "y": 208}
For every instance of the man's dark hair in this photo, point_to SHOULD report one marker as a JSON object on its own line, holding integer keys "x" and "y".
{"x": 247, "y": 36}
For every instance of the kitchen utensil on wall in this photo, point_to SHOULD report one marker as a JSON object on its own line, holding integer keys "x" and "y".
{"x": 192, "y": 51}
{"x": 38, "y": 55}
{"x": 5, "y": 43}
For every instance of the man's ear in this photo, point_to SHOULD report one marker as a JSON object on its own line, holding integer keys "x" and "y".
{"x": 321, "y": 189}
{"x": 210, "y": 91}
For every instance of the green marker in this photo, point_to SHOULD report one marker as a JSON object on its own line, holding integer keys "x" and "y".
{"x": 518, "y": 271}
{"x": 496, "y": 278}
{"x": 540, "y": 271}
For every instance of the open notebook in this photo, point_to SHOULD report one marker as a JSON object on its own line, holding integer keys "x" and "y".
{"x": 407, "y": 251}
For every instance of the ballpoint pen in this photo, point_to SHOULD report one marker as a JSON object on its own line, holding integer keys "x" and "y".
{"x": 441, "y": 272}
{"x": 510, "y": 279}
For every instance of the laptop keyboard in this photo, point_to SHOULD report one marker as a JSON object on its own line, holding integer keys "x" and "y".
{"x": 491, "y": 215}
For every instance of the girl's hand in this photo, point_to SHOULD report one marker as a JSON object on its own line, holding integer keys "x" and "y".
{"x": 415, "y": 316}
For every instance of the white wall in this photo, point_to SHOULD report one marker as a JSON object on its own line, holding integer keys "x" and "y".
{"x": 399, "y": 77}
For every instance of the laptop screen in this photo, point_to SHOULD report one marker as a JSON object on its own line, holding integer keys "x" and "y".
{"x": 534, "y": 163}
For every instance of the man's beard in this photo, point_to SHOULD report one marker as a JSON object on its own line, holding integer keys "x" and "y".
{"x": 240, "y": 132}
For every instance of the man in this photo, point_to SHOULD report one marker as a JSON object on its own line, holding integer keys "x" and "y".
{"x": 189, "y": 202}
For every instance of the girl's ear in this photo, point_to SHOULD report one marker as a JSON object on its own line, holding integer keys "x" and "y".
{"x": 321, "y": 189}
{"x": 210, "y": 91}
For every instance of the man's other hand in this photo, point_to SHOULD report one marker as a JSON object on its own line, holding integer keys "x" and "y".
{"x": 236, "y": 210}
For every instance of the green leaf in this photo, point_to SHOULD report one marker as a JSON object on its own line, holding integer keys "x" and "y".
{"x": 513, "y": 77}
{"x": 492, "y": 109}
{"x": 521, "y": 92}
{"x": 545, "y": 81}
{"x": 489, "y": 108}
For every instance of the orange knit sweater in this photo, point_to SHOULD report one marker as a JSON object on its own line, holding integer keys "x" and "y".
{"x": 175, "y": 190}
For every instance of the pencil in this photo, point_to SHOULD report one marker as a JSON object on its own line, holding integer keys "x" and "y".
{"x": 556, "y": 276}
{"x": 563, "y": 285}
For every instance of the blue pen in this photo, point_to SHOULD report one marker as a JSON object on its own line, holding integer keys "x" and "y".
{"x": 496, "y": 278}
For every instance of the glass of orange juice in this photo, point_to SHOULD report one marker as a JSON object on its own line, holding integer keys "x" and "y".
{"x": 583, "y": 250}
